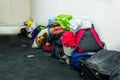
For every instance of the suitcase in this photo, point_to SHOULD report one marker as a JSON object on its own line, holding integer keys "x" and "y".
{"x": 100, "y": 65}
{"x": 90, "y": 74}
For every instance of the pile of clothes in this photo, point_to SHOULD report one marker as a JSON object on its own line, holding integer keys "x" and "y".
{"x": 70, "y": 40}
{"x": 61, "y": 30}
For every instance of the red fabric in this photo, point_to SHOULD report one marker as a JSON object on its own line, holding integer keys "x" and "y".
{"x": 80, "y": 50}
{"x": 68, "y": 39}
{"x": 78, "y": 36}
{"x": 96, "y": 37}
{"x": 47, "y": 48}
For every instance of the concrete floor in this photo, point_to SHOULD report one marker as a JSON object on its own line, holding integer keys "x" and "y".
{"x": 16, "y": 62}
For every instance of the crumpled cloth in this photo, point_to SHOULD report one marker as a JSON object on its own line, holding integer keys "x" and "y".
{"x": 56, "y": 30}
{"x": 64, "y": 20}
{"x": 78, "y": 23}
{"x": 68, "y": 39}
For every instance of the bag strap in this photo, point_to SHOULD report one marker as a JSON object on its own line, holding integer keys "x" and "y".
{"x": 100, "y": 43}
{"x": 78, "y": 36}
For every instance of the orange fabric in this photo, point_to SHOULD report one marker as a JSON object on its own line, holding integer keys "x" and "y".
{"x": 56, "y": 30}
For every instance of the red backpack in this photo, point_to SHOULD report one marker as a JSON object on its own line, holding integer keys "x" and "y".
{"x": 87, "y": 40}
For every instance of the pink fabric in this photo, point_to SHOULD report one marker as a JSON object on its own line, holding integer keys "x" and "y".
{"x": 68, "y": 39}
{"x": 96, "y": 37}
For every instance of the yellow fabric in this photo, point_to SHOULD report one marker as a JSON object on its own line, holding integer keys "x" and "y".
{"x": 29, "y": 22}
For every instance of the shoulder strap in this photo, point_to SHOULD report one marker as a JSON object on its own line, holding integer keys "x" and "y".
{"x": 96, "y": 37}
{"x": 78, "y": 36}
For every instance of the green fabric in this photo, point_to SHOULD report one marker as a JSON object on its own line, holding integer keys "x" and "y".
{"x": 63, "y": 20}
{"x": 41, "y": 27}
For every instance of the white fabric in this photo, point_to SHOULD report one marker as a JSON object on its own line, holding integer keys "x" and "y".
{"x": 30, "y": 35}
{"x": 42, "y": 32}
{"x": 68, "y": 50}
{"x": 67, "y": 59}
{"x": 90, "y": 53}
{"x": 75, "y": 24}
{"x": 86, "y": 24}
{"x": 34, "y": 45}
{"x": 32, "y": 27}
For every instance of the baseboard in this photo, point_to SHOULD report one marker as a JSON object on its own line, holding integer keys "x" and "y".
{"x": 10, "y": 30}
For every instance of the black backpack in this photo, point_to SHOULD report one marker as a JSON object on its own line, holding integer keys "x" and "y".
{"x": 87, "y": 40}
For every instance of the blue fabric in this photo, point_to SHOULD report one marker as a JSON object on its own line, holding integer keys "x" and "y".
{"x": 75, "y": 59}
{"x": 50, "y": 20}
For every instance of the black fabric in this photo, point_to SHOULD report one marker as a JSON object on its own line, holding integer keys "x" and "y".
{"x": 115, "y": 75}
{"x": 23, "y": 32}
{"x": 56, "y": 46}
{"x": 36, "y": 31}
{"x": 88, "y": 40}
{"x": 55, "y": 37}
{"x": 16, "y": 64}
{"x": 90, "y": 74}
{"x": 56, "y": 51}
{"x": 104, "y": 61}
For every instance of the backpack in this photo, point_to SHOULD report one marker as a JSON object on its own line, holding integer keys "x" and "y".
{"x": 104, "y": 61}
{"x": 87, "y": 40}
